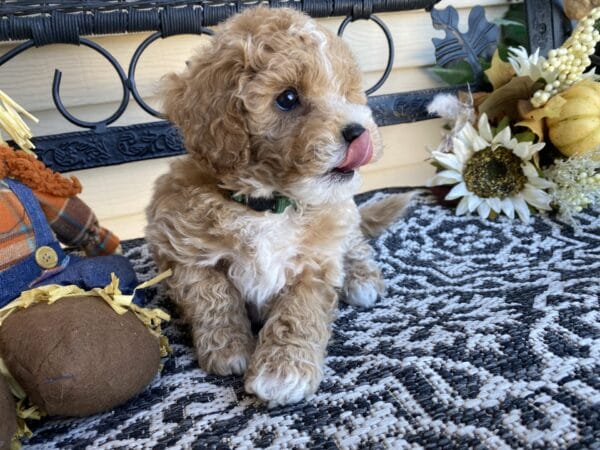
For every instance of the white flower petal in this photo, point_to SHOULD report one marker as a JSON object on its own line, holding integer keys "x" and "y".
{"x": 519, "y": 60}
{"x": 480, "y": 144}
{"x": 462, "y": 208}
{"x": 526, "y": 65}
{"x": 508, "y": 207}
{"x": 462, "y": 152}
{"x": 483, "y": 210}
{"x": 521, "y": 208}
{"x": 460, "y": 190}
{"x": 445, "y": 177}
{"x": 537, "y": 147}
{"x": 495, "y": 204}
{"x": 533, "y": 177}
{"x": 503, "y": 138}
{"x": 467, "y": 133}
{"x": 526, "y": 150}
{"x": 536, "y": 198}
{"x": 484, "y": 128}
{"x": 472, "y": 139}
{"x": 473, "y": 202}
{"x": 448, "y": 160}
{"x": 523, "y": 150}
{"x": 529, "y": 170}
{"x": 541, "y": 183}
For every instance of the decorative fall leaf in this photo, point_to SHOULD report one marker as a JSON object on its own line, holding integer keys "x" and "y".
{"x": 504, "y": 100}
{"x": 500, "y": 72}
{"x": 534, "y": 118}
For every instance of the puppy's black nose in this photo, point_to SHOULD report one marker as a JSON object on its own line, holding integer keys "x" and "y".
{"x": 352, "y": 131}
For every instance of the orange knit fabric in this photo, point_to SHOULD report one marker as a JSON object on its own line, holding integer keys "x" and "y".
{"x": 25, "y": 168}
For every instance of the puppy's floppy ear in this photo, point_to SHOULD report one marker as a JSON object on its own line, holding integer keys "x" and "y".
{"x": 203, "y": 102}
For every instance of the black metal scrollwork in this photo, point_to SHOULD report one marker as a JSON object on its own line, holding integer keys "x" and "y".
{"x": 133, "y": 65}
{"x": 390, "y": 44}
{"x": 128, "y": 82}
{"x": 100, "y": 125}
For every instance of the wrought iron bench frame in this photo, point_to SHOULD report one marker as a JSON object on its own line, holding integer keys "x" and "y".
{"x": 41, "y": 23}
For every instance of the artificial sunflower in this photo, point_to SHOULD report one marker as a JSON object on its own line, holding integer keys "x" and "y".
{"x": 492, "y": 173}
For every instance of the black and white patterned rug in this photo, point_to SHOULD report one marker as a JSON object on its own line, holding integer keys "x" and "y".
{"x": 489, "y": 337}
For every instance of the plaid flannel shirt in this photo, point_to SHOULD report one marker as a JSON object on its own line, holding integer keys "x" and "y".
{"x": 70, "y": 218}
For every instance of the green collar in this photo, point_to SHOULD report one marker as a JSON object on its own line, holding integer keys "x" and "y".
{"x": 276, "y": 204}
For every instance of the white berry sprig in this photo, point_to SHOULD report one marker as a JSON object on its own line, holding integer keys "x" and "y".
{"x": 569, "y": 62}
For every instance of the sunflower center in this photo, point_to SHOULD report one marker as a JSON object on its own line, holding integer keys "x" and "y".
{"x": 494, "y": 173}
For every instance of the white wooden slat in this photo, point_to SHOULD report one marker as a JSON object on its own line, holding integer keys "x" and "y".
{"x": 121, "y": 190}
{"x": 409, "y": 175}
{"x": 127, "y": 227}
{"x": 407, "y": 144}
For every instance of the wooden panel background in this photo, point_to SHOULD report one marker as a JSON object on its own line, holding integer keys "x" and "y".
{"x": 90, "y": 91}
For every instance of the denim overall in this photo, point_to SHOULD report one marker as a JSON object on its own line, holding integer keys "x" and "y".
{"x": 86, "y": 273}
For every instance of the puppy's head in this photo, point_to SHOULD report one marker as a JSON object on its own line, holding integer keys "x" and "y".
{"x": 275, "y": 103}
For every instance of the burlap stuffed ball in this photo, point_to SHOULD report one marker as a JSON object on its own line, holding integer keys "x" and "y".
{"x": 77, "y": 356}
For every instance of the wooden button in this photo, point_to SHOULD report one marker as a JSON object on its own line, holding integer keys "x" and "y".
{"x": 46, "y": 257}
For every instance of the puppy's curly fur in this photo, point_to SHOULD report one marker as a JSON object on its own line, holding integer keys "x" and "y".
{"x": 228, "y": 260}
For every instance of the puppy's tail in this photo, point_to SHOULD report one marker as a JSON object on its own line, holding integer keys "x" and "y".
{"x": 377, "y": 216}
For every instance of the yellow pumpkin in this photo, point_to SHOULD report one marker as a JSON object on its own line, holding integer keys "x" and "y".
{"x": 577, "y": 129}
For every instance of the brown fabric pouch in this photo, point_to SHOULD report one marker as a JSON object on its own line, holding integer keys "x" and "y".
{"x": 77, "y": 356}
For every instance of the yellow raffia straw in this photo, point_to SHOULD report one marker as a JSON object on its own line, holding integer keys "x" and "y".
{"x": 14, "y": 125}
{"x": 24, "y": 409}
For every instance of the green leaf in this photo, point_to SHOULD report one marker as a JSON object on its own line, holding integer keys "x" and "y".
{"x": 525, "y": 136}
{"x": 502, "y": 125}
{"x": 485, "y": 64}
{"x": 515, "y": 35}
{"x": 503, "y": 52}
{"x": 459, "y": 73}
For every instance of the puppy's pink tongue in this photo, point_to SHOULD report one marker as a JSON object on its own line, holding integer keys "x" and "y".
{"x": 360, "y": 152}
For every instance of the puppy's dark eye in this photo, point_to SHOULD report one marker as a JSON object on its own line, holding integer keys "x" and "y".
{"x": 287, "y": 100}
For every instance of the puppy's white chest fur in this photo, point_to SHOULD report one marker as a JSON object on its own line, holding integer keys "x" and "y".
{"x": 266, "y": 257}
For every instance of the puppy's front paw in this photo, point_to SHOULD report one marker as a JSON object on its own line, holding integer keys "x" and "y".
{"x": 229, "y": 359}
{"x": 282, "y": 377}
{"x": 362, "y": 293}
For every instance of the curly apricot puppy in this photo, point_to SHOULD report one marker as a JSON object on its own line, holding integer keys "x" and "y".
{"x": 272, "y": 114}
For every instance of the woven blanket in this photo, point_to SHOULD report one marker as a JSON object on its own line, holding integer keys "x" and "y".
{"x": 488, "y": 337}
